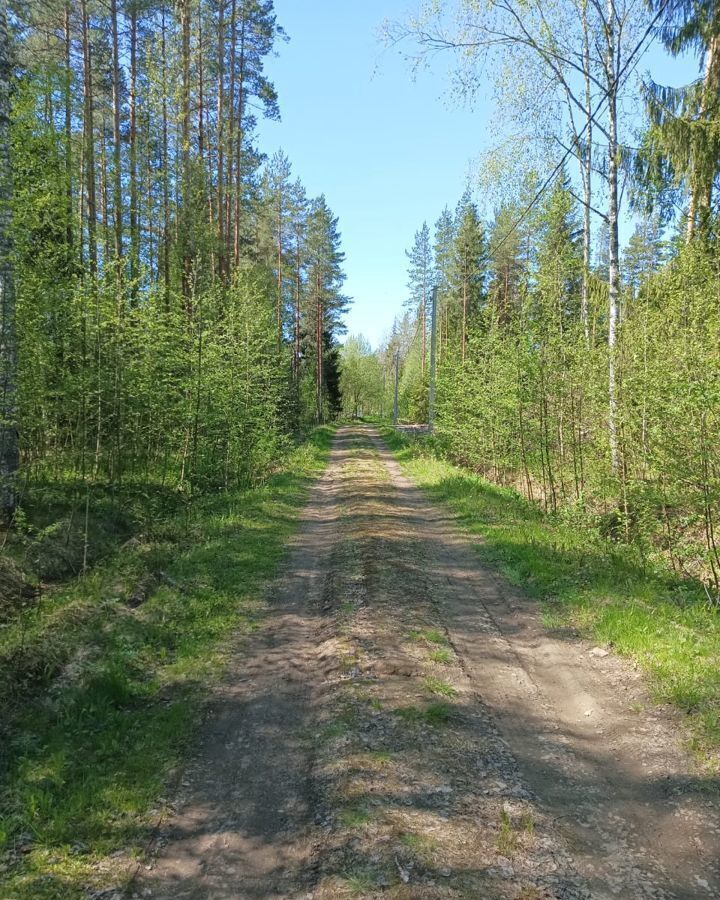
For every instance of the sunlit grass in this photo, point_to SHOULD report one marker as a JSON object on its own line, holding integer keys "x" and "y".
{"x": 439, "y": 687}
{"x": 429, "y": 635}
{"x": 354, "y": 817}
{"x": 100, "y": 700}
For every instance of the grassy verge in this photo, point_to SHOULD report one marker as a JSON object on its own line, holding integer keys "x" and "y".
{"x": 101, "y": 687}
{"x": 584, "y": 581}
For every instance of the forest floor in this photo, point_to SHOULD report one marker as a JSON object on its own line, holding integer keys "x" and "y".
{"x": 403, "y": 723}
{"x": 104, "y": 677}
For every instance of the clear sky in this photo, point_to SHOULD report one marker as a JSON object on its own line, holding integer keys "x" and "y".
{"x": 387, "y": 150}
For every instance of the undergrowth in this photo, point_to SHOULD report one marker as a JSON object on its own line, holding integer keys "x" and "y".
{"x": 101, "y": 686}
{"x": 605, "y": 591}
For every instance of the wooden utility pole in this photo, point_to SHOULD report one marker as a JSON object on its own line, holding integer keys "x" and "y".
{"x": 433, "y": 358}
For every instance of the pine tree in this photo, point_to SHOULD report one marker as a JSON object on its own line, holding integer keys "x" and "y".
{"x": 506, "y": 265}
{"x": 254, "y": 32}
{"x": 275, "y": 233}
{"x": 298, "y": 229}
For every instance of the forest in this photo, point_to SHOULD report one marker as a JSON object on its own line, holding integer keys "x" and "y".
{"x": 171, "y": 306}
{"x": 288, "y": 613}
{"x": 583, "y": 373}
{"x": 178, "y": 296}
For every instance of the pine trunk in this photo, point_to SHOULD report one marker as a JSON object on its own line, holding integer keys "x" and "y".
{"x": 185, "y": 226}
{"x": 68, "y": 130}
{"x": 89, "y": 134}
{"x": 9, "y": 447}
{"x": 239, "y": 143}
{"x": 231, "y": 131}
{"x": 165, "y": 172}
{"x": 117, "y": 150}
{"x": 134, "y": 235}
{"x": 221, "y": 138}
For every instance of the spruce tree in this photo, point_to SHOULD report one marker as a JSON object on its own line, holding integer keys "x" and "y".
{"x": 468, "y": 270}
{"x": 685, "y": 122}
{"x": 443, "y": 253}
{"x": 325, "y": 304}
{"x": 420, "y": 284}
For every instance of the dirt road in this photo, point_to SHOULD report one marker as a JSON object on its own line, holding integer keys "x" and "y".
{"x": 403, "y": 726}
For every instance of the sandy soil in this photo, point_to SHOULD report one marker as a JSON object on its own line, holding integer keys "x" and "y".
{"x": 403, "y": 726}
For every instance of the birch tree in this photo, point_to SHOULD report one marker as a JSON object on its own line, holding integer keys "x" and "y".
{"x": 585, "y": 54}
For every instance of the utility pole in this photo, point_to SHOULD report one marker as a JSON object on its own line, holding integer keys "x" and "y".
{"x": 433, "y": 341}
{"x": 397, "y": 380}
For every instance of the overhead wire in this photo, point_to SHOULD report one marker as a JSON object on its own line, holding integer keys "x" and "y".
{"x": 569, "y": 152}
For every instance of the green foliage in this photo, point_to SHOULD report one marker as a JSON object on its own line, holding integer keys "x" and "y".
{"x": 466, "y": 276}
{"x": 606, "y": 590}
{"x": 100, "y": 697}
{"x": 682, "y": 142}
{"x": 178, "y": 312}
{"x": 528, "y": 405}
{"x": 420, "y": 286}
{"x": 361, "y": 378}
{"x": 440, "y": 687}
{"x": 159, "y": 341}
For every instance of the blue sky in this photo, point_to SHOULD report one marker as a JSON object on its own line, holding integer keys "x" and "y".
{"x": 387, "y": 150}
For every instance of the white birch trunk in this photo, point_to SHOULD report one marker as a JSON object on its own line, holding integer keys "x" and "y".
{"x": 613, "y": 243}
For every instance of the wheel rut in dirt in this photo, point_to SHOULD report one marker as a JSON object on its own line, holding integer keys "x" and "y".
{"x": 402, "y": 725}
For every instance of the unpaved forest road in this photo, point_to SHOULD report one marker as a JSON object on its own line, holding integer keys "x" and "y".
{"x": 402, "y": 726}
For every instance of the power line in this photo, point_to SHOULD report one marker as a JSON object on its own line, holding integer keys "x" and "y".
{"x": 548, "y": 181}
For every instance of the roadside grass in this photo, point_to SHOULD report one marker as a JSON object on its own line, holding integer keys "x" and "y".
{"x": 429, "y": 635}
{"x": 101, "y": 688}
{"x": 433, "y": 714}
{"x": 422, "y": 846}
{"x": 361, "y": 880}
{"x": 354, "y": 817}
{"x": 440, "y": 687}
{"x": 602, "y": 590}
{"x": 507, "y": 838}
